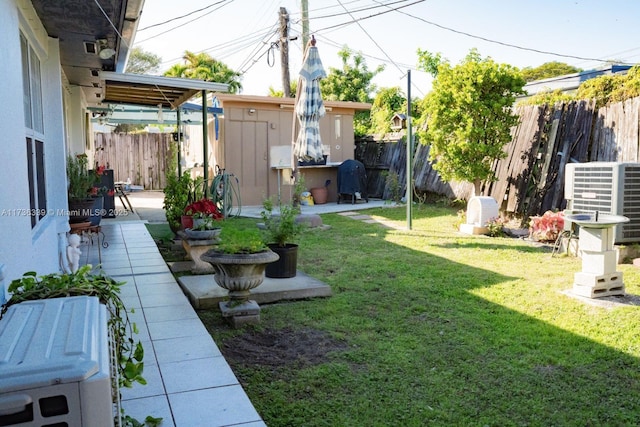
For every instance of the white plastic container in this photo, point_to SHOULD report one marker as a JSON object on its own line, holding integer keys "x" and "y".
{"x": 480, "y": 211}
{"x": 54, "y": 364}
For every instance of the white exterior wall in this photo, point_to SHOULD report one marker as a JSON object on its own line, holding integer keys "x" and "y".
{"x": 22, "y": 248}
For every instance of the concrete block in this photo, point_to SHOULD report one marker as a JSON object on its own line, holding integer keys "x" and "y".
{"x": 595, "y": 280}
{"x": 596, "y": 239}
{"x": 599, "y": 262}
{"x": 247, "y": 313}
{"x": 605, "y": 290}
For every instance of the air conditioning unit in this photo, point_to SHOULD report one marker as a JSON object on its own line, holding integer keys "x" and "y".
{"x": 606, "y": 187}
{"x": 55, "y": 364}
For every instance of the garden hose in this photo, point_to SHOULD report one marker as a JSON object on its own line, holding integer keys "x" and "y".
{"x": 224, "y": 190}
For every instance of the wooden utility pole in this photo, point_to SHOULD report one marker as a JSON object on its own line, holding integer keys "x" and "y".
{"x": 284, "y": 52}
{"x": 304, "y": 5}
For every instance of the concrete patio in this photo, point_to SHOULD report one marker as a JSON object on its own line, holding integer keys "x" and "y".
{"x": 190, "y": 383}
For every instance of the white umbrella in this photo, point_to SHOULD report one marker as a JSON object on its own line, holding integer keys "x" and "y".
{"x": 309, "y": 107}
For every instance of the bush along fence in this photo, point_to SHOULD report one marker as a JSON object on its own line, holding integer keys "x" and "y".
{"x": 530, "y": 180}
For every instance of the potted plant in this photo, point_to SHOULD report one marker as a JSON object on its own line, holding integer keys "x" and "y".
{"x": 200, "y": 210}
{"x": 80, "y": 181}
{"x": 176, "y": 198}
{"x": 208, "y": 228}
{"x": 239, "y": 261}
{"x": 280, "y": 230}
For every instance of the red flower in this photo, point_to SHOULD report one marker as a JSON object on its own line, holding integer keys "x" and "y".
{"x": 203, "y": 207}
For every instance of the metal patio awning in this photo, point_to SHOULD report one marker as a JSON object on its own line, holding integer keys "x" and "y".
{"x": 140, "y": 89}
{"x": 190, "y": 114}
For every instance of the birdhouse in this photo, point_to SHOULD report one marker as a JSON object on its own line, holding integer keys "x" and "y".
{"x": 398, "y": 122}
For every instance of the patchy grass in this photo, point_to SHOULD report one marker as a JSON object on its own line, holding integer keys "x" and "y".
{"x": 431, "y": 327}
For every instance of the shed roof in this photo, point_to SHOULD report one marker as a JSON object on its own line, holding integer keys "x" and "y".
{"x": 286, "y": 102}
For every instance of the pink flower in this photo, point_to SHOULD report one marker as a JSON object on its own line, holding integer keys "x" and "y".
{"x": 547, "y": 227}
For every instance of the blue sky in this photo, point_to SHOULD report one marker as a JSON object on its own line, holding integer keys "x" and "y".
{"x": 240, "y": 32}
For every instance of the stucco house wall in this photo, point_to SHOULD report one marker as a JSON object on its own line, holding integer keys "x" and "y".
{"x": 23, "y": 248}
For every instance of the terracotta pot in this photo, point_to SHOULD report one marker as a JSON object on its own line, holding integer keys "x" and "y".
{"x": 319, "y": 195}
{"x": 186, "y": 221}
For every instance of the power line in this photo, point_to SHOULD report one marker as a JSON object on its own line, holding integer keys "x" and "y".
{"x": 180, "y": 17}
{"x": 188, "y": 22}
{"x": 235, "y": 45}
{"x": 256, "y": 49}
{"x": 496, "y": 41}
{"x": 370, "y": 16}
{"x": 347, "y": 12}
{"x": 376, "y": 43}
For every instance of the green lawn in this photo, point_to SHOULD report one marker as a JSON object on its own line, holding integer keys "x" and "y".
{"x": 438, "y": 328}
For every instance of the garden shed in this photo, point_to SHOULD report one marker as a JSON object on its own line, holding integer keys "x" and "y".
{"x": 252, "y": 140}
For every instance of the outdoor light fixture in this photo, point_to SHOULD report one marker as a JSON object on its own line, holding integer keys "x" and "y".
{"x": 104, "y": 51}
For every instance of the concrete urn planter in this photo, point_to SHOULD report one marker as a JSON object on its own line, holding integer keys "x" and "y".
{"x": 239, "y": 273}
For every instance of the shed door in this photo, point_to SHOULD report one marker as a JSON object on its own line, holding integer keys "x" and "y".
{"x": 246, "y": 152}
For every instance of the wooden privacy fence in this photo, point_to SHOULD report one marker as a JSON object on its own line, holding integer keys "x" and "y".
{"x": 140, "y": 157}
{"x": 530, "y": 180}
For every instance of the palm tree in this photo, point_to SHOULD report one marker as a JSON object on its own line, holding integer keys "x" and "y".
{"x": 201, "y": 66}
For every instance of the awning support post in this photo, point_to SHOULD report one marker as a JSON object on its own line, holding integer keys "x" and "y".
{"x": 205, "y": 138}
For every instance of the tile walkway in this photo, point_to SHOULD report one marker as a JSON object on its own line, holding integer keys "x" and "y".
{"x": 190, "y": 383}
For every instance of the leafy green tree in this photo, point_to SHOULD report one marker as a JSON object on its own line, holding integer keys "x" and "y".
{"x": 202, "y": 66}
{"x": 548, "y": 70}
{"x": 548, "y": 97}
{"x": 611, "y": 88}
{"x": 351, "y": 83}
{"x": 429, "y": 62}
{"x": 469, "y": 117}
{"x": 388, "y": 101}
{"x": 276, "y": 93}
{"x": 142, "y": 62}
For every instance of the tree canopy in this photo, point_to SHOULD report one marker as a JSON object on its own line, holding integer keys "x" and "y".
{"x": 611, "y": 88}
{"x": 603, "y": 89}
{"x": 469, "y": 117}
{"x": 548, "y": 70}
{"x": 279, "y": 93}
{"x": 202, "y": 66}
{"x": 142, "y": 62}
{"x": 351, "y": 83}
{"x": 388, "y": 101}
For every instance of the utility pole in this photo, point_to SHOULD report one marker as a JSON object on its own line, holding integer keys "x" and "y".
{"x": 284, "y": 52}
{"x": 304, "y": 4}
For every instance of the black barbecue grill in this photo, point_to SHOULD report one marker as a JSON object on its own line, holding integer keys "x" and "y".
{"x": 352, "y": 181}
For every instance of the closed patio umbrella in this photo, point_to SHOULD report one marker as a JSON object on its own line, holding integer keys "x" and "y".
{"x": 309, "y": 107}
